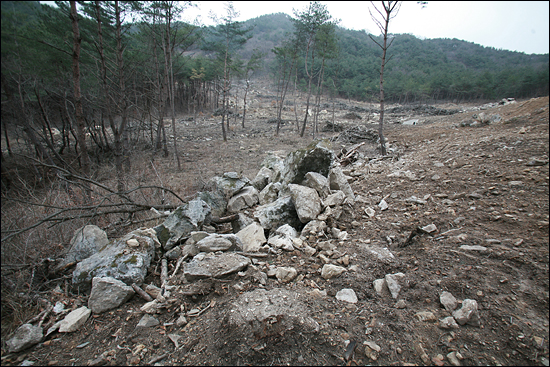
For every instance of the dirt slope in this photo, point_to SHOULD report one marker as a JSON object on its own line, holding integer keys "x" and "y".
{"x": 484, "y": 186}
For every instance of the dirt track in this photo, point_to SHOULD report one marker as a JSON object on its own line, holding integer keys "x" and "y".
{"x": 480, "y": 187}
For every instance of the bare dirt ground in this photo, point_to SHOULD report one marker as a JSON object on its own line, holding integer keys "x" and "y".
{"x": 484, "y": 185}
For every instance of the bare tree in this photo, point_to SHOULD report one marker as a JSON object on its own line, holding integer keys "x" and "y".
{"x": 389, "y": 11}
{"x": 80, "y": 123}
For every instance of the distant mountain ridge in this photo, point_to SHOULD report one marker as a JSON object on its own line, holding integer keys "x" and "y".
{"x": 436, "y": 68}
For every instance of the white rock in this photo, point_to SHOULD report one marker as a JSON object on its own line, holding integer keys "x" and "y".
{"x": 74, "y": 320}
{"x": 448, "y": 301}
{"x": 467, "y": 314}
{"x": 448, "y": 323}
{"x": 331, "y": 271}
{"x": 252, "y": 236}
{"x": 286, "y": 274}
{"x": 393, "y": 283}
{"x": 381, "y": 288}
{"x": 370, "y": 211}
{"x": 306, "y": 201}
{"x": 347, "y": 295}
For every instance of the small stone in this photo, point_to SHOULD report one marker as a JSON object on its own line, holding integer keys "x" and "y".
{"x": 420, "y": 351}
{"x": 453, "y": 359}
{"x": 331, "y": 271}
{"x": 132, "y": 242}
{"x": 380, "y": 287}
{"x": 286, "y": 274}
{"x": 429, "y": 228}
{"x": 438, "y": 360}
{"x": 467, "y": 314}
{"x": 383, "y": 205}
{"x": 147, "y": 321}
{"x": 345, "y": 260}
{"x": 473, "y": 248}
{"x": 392, "y": 281}
{"x": 448, "y": 323}
{"x": 370, "y": 211}
{"x": 426, "y": 316}
{"x": 318, "y": 293}
{"x": 400, "y": 304}
{"x": 371, "y": 350}
{"x": 181, "y": 321}
{"x": 310, "y": 251}
{"x": 347, "y": 295}
{"x": 448, "y": 301}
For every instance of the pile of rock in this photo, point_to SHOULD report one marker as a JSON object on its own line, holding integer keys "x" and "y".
{"x": 288, "y": 205}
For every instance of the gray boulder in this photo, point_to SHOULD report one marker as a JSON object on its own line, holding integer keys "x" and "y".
{"x": 216, "y": 201}
{"x": 306, "y": 201}
{"x": 467, "y": 314}
{"x": 108, "y": 293}
{"x": 286, "y": 274}
{"x": 74, "y": 320}
{"x": 283, "y": 237}
{"x": 227, "y": 185}
{"x": 338, "y": 181}
{"x": 252, "y": 237}
{"x": 275, "y": 214}
{"x": 86, "y": 241}
{"x": 257, "y": 314}
{"x": 335, "y": 199}
{"x": 120, "y": 259}
{"x": 241, "y": 222}
{"x": 318, "y": 182}
{"x": 275, "y": 164}
{"x": 25, "y": 337}
{"x": 219, "y": 242}
{"x": 313, "y": 228}
{"x": 245, "y": 198}
{"x": 263, "y": 177}
{"x": 270, "y": 193}
{"x": 184, "y": 220}
{"x": 317, "y": 157}
{"x": 210, "y": 265}
{"x": 330, "y": 271}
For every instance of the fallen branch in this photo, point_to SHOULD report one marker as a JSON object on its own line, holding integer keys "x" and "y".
{"x": 141, "y": 293}
{"x": 178, "y": 264}
{"x": 227, "y": 219}
{"x": 163, "y": 274}
{"x": 158, "y": 358}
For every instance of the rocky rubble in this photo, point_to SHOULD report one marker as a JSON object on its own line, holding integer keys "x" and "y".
{"x": 312, "y": 194}
{"x": 406, "y": 267}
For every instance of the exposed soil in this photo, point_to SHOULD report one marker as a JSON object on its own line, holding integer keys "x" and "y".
{"x": 484, "y": 185}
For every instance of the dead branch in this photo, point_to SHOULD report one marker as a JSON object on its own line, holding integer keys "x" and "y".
{"x": 164, "y": 273}
{"x": 141, "y": 293}
{"x": 181, "y": 259}
{"x": 230, "y": 218}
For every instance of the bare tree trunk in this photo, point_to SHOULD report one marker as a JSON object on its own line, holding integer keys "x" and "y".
{"x": 310, "y": 76}
{"x": 80, "y": 124}
{"x": 388, "y": 8}
{"x": 244, "y": 100}
{"x": 170, "y": 81}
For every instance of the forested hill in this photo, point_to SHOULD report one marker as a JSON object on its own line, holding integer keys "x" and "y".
{"x": 419, "y": 69}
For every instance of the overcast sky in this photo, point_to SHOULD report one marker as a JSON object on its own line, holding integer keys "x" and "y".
{"x": 510, "y": 25}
